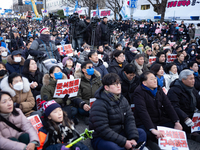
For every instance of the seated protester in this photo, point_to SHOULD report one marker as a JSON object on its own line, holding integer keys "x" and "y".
{"x": 81, "y": 49}
{"x": 104, "y": 56}
{"x": 129, "y": 81}
{"x": 25, "y": 52}
{"x": 197, "y": 60}
{"x": 57, "y": 131}
{"x": 180, "y": 63}
{"x": 68, "y": 66}
{"x": 194, "y": 67}
{"x": 4, "y": 55}
{"x": 19, "y": 89}
{"x": 34, "y": 76}
{"x": 167, "y": 51}
{"x": 90, "y": 83}
{"x": 160, "y": 59}
{"x": 159, "y": 72}
{"x": 84, "y": 55}
{"x": 130, "y": 54}
{"x": 178, "y": 49}
{"x": 97, "y": 63}
{"x": 118, "y": 46}
{"x": 117, "y": 63}
{"x": 185, "y": 100}
{"x": 48, "y": 89}
{"x": 147, "y": 54}
{"x": 3, "y": 72}
{"x": 139, "y": 64}
{"x": 171, "y": 74}
{"x": 186, "y": 56}
{"x": 108, "y": 50}
{"x": 148, "y": 114}
{"x": 111, "y": 118}
{"x": 24, "y": 136}
{"x": 156, "y": 49}
{"x": 15, "y": 62}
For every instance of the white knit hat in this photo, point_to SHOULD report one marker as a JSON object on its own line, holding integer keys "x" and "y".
{"x": 43, "y": 30}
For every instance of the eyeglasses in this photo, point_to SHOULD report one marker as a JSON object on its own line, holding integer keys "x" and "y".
{"x": 116, "y": 83}
{"x": 121, "y": 56}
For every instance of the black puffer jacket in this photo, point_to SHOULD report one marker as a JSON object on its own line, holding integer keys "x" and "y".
{"x": 108, "y": 119}
{"x": 197, "y": 83}
{"x": 152, "y": 111}
{"x": 181, "y": 100}
{"x": 180, "y": 66}
{"x": 114, "y": 66}
{"x": 104, "y": 31}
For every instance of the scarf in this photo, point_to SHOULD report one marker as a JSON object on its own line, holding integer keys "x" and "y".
{"x": 120, "y": 65}
{"x": 160, "y": 81}
{"x": 152, "y": 91}
{"x": 189, "y": 90}
{"x": 196, "y": 74}
{"x": 45, "y": 38}
{"x": 125, "y": 77}
{"x": 112, "y": 96}
{"x": 95, "y": 64}
{"x": 139, "y": 68}
{"x": 6, "y": 116}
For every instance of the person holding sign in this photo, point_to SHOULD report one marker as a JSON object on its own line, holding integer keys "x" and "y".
{"x": 153, "y": 108}
{"x": 16, "y": 131}
{"x": 185, "y": 100}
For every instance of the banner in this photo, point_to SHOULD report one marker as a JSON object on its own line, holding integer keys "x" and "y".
{"x": 181, "y": 29}
{"x": 38, "y": 101}
{"x": 172, "y": 43}
{"x": 66, "y": 86}
{"x": 103, "y": 13}
{"x": 152, "y": 59}
{"x": 36, "y": 122}
{"x": 173, "y": 139}
{"x": 67, "y": 50}
{"x": 196, "y": 120}
{"x": 171, "y": 58}
{"x": 78, "y": 65}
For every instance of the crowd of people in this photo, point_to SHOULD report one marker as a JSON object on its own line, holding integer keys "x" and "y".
{"x": 132, "y": 95}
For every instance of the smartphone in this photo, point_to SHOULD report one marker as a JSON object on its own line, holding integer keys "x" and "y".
{"x": 139, "y": 145}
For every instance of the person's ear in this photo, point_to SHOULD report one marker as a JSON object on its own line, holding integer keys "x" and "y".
{"x": 144, "y": 83}
{"x": 49, "y": 117}
{"x": 106, "y": 87}
{"x": 11, "y": 85}
{"x": 84, "y": 70}
{"x": 51, "y": 75}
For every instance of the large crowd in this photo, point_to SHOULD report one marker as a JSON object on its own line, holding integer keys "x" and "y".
{"x": 131, "y": 94}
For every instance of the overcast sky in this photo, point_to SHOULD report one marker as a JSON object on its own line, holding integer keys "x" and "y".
{"x": 5, "y": 4}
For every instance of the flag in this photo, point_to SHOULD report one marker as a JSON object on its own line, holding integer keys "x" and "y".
{"x": 97, "y": 13}
{"x": 76, "y": 6}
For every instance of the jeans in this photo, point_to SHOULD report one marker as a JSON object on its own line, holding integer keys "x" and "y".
{"x": 83, "y": 112}
{"x": 101, "y": 144}
{"x": 76, "y": 43}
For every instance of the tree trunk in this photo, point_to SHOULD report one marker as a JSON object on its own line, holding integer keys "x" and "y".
{"x": 163, "y": 8}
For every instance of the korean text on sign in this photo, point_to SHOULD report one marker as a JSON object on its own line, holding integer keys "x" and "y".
{"x": 173, "y": 139}
{"x": 196, "y": 120}
{"x": 36, "y": 122}
{"x": 67, "y": 50}
{"x": 64, "y": 87}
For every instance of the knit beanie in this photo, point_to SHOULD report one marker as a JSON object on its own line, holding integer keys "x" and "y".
{"x": 50, "y": 106}
{"x": 43, "y": 30}
{"x": 65, "y": 59}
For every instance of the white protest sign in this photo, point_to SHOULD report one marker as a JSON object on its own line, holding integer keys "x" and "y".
{"x": 38, "y": 101}
{"x": 152, "y": 59}
{"x": 196, "y": 120}
{"x": 67, "y": 50}
{"x": 65, "y": 86}
{"x": 171, "y": 57}
{"x": 173, "y": 139}
{"x": 36, "y": 122}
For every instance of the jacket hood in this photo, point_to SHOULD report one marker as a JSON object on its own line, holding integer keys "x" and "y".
{"x": 175, "y": 83}
{"x": 47, "y": 79}
{"x": 12, "y": 62}
{"x": 6, "y": 87}
{"x": 78, "y": 73}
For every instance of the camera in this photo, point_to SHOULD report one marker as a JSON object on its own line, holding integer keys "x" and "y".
{"x": 73, "y": 18}
{"x": 53, "y": 16}
{"x": 94, "y": 21}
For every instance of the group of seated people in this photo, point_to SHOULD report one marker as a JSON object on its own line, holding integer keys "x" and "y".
{"x": 115, "y": 83}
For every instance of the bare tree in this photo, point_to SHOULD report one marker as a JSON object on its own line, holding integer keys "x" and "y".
{"x": 159, "y": 7}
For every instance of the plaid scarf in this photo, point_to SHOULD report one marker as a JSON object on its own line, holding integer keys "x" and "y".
{"x": 113, "y": 97}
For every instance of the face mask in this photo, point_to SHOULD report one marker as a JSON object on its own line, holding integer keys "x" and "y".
{"x": 3, "y": 72}
{"x": 17, "y": 59}
{"x": 58, "y": 75}
{"x": 88, "y": 51}
{"x": 90, "y": 71}
{"x": 4, "y": 54}
{"x": 18, "y": 86}
{"x": 63, "y": 35}
{"x": 192, "y": 52}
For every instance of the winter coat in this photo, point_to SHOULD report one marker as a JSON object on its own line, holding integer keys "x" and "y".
{"x": 83, "y": 57}
{"x": 137, "y": 66}
{"x": 16, "y": 44}
{"x": 97, "y": 36}
{"x": 101, "y": 68}
{"x": 180, "y": 66}
{"x": 48, "y": 89}
{"x": 104, "y": 32}
{"x": 169, "y": 78}
{"x": 191, "y": 33}
{"x": 36, "y": 78}
{"x": 128, "y": 87}
{"x": 88, "y": 87}
{"x": 79, "y": 29}
{"x": 181, "y": 100}
{"x": 157, "y": 62}
{"x": 109, "y": 118}
{"x": 152, "y": 111}
{"x": 105, "y": 56}
{"x": 6, "y": 132}
{"x": 12, "y": 66}
{"x": 197, "y": 83}
{"x": 129, "y": 56}
{"x": 114, "y": 66}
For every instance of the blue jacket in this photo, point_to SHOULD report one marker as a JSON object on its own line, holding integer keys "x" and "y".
{"x": 11, "y": 66}
{"x": 101, "y": 69}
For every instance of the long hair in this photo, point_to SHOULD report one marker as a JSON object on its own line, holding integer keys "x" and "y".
{"x": 26, "y": 66}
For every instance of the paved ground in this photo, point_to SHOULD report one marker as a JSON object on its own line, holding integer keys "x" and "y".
{"x": 81, "y": 128}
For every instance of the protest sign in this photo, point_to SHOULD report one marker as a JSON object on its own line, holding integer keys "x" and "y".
{"x": 133, "y": 107}
{"x": 173, "y": 139}
{"x": 78, "y": 65}
{"x": 196, "y": 120}
{"x": 92, "y": 100}
{"x": 184, "y": 47}
{"x": 152, "y": 59}
{"x": 181, "y": 29}
{"x": 142, "y": 26}
{"x": 38, "y": 101}
{"x": 171, "y": 58}
{"x": 166, "y": 47}
{"x": 36, "y": 122}
{"x": 65, "y": 86}
{"x": 172, "y": 43}
{"x": 165, "y": 90}
{"x": 67, "y": 50}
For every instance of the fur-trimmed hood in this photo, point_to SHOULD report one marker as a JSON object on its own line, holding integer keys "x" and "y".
{"x": 12, "y": 62}
{"x": 6, "y": 87}
{"x": 47, "y": 79}
{"x": 78, "y": 73}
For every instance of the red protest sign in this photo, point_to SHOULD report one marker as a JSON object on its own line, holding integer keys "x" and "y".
{"x": 181, "y": 29}
{"x": 36, "y": 122}
{"x": 92, "y": 100}
{"x": 142, "y": 26}
{"x": 67, "y": 50}
{"x": 171, "y": 57}
{"x": 38, "y": 101}
{"x": 152, "y": 59}
{"x": 196, "y": 120}
{"x": 173, "y": 139}
{"x": 64, "y": 87}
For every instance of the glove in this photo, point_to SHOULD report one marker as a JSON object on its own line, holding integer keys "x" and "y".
{"x": 189, "y": 122}
{"x": 64, "y": 148}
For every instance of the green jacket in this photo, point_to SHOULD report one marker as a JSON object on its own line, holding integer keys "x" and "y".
{"x": 88, "y": 87}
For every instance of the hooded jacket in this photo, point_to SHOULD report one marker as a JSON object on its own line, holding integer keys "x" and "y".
{"x": 12, "y": 66}
{"x": 101, "y": 68}
{"x": 88, "y": 87}
{"x": 152, "y": 111}
{"x": 6, "y": 132}
{"x": 181, "y": 100}
{"x": 109, "y": 118}
{"x": 114, "y": 66}
{"x": 24, "y": 98}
